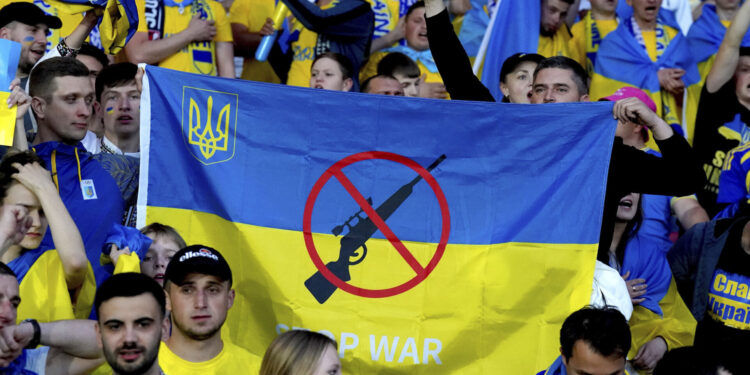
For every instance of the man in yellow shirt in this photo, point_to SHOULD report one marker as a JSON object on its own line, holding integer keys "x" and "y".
{"x": 589, "y": 32}
{"x": 190, "y": 35}
{"x": 554, "y": 35}
{"x": 198, "y": 282}
{"x": 250, "y": 22}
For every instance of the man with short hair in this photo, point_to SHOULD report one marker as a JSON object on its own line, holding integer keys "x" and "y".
{"x": 198, "y": 282}
{"x": 132, "y": 321}
{"x": 404, "y": 69}
{"x": 418, "y": 49}
{"x": 593, "y": 341}
{"x": 119, "y": 101}
{"x": 554, "y": 35}
{"x": 382, "y": 85}
{"x": 62, "y": 97}
{"x": 25, "y": 23}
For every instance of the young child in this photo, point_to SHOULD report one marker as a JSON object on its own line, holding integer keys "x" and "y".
{"x": 331, "y": 71}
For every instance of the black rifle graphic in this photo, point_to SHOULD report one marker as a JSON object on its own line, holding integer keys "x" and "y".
{"x": 317, "y": 284}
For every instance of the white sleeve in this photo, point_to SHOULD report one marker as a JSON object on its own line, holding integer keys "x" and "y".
{"x": 36, "y": 360}
{"x": 609, "y": 289}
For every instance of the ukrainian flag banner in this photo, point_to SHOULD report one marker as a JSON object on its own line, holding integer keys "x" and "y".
{"x": 425, "y": 239}
{"x": 623, "y": 61}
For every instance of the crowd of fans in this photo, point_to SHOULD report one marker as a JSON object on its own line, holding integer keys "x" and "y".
{"x": 82, "y": 291}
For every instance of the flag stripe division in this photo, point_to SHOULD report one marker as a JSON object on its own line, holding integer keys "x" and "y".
{"x": 234, "y": 165}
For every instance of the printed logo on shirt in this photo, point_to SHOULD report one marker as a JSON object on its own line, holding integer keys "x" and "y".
{"x": 728, "y": 300}
{"x": 383, "y": 17}
{"x": 209, "y": 124}
{"x": 735, "y": 129}
{"x": 88, "y": 190}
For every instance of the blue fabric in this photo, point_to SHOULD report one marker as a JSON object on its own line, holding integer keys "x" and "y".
{"x": 658, "y": 221}
{"x": 425, "y": 57}
{"x": 130, "y": 237}
{"x": 93, "y": 217}
{"x": 706, "y": 34}
{"x": 621, "y": 58}
{"x": 18, "y": 366}
{"x": 644, "y": 260}
{"x": 516, "y": 29}
{"x": 557, "y": 368}
{"x": 10, "y": 52}
{"x": 473, "y": 27}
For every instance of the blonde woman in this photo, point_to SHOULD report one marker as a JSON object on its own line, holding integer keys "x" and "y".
{"x": 298, "y": 352}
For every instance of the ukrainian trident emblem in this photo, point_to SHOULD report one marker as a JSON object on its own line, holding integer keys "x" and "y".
{"x": 209, "y": 121}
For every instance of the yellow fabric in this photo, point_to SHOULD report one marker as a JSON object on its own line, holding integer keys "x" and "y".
{"x": 254, "y": 320}
{"x": 580, "y": 44}
{"x": 649, "y": 39}
{"x": 556, "y": 45}
{"x": 128, "y": 263}
{"x": 174, "y": 22}
{"x": 231, "y": 360}
{"x": 113, "y": 31}
{"x": 252, "y": 14}
{"x": 726, "y": 23}
{"x": 7, "y": 120}
{"x": 303, "y": 53}
{"x": 44, "y": 292}
{"x": 677, "y": 326}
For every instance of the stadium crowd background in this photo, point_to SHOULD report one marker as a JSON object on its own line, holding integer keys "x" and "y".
{"x": 671, "y": 292}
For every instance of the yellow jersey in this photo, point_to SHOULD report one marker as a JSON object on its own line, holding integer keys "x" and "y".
{"x": 555, "y": 45}
{"x": 196, "y": 57}
{"x": 231, "y": 360}
{"x": 587, "y": 35}
{"x": 252, "y": 14}
{"x": 303, "y": 50}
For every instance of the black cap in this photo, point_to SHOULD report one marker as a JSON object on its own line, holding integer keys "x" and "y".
{"x": 512, "y": 62}
{"x": 197, "y": 259}
{"x": 27, "y": 13}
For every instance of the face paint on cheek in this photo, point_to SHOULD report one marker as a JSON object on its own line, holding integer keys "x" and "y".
{"x": 110, "y": 110}
{"x": 28, "y": 40}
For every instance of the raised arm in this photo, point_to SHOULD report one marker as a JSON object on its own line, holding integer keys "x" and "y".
{"x": 334, "y": 21}
{"x": 64, "y": 230}
{"x": 729, "y": 51}
{"x": 451, "y": 59}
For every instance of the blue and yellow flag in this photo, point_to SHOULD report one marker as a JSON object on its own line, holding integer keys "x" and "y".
{"x": 623, "y": 61}
{"x": 704, "y": 39}
{"x": 118, "y": 24}
{"x": 425, "y": 239}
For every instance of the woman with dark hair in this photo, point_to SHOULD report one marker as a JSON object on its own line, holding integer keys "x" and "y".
{"x": 660, "y": 319}
{"x": 331, "y": 71}
{"x": 299, "y": 352}
{"x": 53, "y": 284}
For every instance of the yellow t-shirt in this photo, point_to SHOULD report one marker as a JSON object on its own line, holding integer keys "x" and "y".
{"x": 556, "y": 45}
{"x": 197, "y": 57}
{"x": 304, "y": 53}
{"x": 252, "y": 14}
{"x": 44, "y": 292}
{"x": 579, "y": 46}
{"x": 231, "y": 360}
